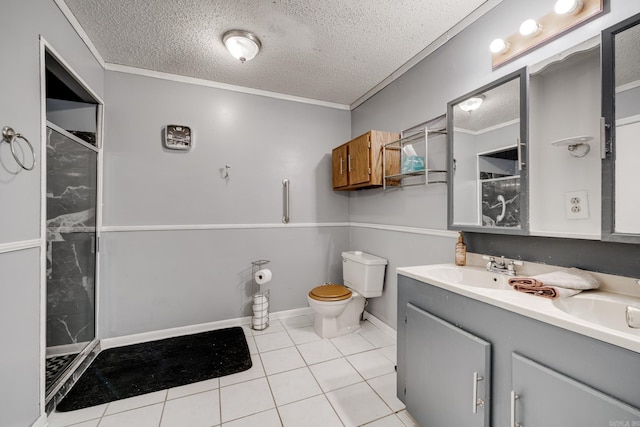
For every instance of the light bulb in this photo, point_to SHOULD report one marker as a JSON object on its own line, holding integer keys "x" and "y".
{"x": 499, "y": 46}
{"x": 530, "y": 27}
{"x": 568, "y": 7}
{"x": 242, "y": 45}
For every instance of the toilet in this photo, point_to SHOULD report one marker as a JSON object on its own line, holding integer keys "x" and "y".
{"x": 338, "y": 308}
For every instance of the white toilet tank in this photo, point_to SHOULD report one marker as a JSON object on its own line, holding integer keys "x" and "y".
{"x": 363, "y": 273}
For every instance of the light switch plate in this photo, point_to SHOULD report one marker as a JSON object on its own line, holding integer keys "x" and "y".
{"x": 576, "y": 205}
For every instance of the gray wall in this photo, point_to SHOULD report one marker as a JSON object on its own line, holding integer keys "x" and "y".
{"x": 173, "y": 276}
{"x": 154, "y": 280}
{"x": 20, "y": 195}
{"x": 460, "y": 66}
{"x": 401, "y": 249}
{"x": 20, "y": 333}
{"x": 627, "y": 103}
{"x": 72, "y": 116}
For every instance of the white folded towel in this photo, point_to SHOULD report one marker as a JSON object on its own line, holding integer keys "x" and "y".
{"x": 573, "y": 278}
{"x": 557, "y": 284}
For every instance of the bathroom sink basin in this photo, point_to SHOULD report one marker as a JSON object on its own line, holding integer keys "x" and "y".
{"x": 471, "y": 276}
{"x": 601, "y": 308}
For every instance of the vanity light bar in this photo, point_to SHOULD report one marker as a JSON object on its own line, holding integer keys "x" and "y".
{"x": 567, "y": 15}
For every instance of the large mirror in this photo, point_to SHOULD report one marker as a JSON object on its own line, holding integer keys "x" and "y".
{"x": 487, "y": 154}
{"x": 564, "y": 155}
{"x": 621, "y": 111}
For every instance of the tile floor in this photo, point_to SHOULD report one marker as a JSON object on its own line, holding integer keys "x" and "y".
{"x": 297, "y": 380}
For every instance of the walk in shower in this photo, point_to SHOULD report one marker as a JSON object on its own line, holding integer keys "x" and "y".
{"x": 72, "y": 156}
{"x": 71, "y": 248}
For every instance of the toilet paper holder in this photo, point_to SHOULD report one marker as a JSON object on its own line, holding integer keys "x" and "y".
{"x": 260, "y": 299}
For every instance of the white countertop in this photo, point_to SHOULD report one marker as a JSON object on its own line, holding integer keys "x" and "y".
{"x": 532, "y": 306}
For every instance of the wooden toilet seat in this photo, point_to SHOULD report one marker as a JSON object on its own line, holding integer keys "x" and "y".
{"x": 330, "y": 292}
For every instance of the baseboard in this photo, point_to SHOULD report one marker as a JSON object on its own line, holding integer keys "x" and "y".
{"x": 41, "y": 421}
{"x": 380, "y": 324}
{"x": 290, "y": 313}
{"x": 194, "y": 329}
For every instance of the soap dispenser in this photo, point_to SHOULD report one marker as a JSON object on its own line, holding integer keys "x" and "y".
{"x": 461, "y": 251}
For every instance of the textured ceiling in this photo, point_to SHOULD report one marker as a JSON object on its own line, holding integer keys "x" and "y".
{"x": 329, "y": 50}
{"x": 501, "y": 104}
{"x": 628, "y": 56}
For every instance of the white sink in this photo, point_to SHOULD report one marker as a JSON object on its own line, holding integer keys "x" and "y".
{"x": 598, "y": 314}
{"x": 601, "y": 308}
{"x": 471, "y": 276}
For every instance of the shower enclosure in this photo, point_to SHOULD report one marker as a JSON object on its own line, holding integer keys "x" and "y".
{"x": 71, "y": 249}
{"x": 73, "y": 140}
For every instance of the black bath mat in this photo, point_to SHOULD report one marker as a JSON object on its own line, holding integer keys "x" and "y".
{"x": 122, "y": 372}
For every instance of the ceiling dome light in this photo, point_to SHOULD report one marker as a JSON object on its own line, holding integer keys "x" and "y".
{"x": 242, "y": 45}
{"x": 499, "y": 46}
{"x": 530, "y": 28}
{"x": 568, "y": 7}
{"x": 472, "y": 103}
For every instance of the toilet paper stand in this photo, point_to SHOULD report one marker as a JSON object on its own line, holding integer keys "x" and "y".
{"x": 260, "y": 299}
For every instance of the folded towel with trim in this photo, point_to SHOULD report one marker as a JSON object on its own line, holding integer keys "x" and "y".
{"x": 557, "y": 284}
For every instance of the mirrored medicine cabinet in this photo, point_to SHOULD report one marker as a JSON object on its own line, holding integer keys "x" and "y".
{"x": 564, "y": 143}
{"x": 487, "y": 156}
{"x": 621, "y": 131}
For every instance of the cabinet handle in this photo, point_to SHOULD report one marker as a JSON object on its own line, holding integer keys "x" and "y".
{"x": 513, "y": 422}
{"x": 476, "y": 402}
{"x": 341, "y": 162}
{"x": 349, "y": 162}
{"x": 521, "y": 164}
{"x": 603, "y": 138}
{"x": 285, "y": 201}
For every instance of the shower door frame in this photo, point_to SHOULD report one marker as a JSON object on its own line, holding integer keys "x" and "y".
{"x": 90, "y": 351}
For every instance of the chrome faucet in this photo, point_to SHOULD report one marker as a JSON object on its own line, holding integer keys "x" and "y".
{"x": 633, "y": 316}
{"x": 502, "y": 266}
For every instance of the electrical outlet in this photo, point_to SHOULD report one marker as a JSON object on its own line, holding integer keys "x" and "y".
{"x": 576, "y": 205}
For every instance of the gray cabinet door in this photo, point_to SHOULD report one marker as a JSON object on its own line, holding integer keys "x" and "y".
{"x": 441, "y": 360}
{"x": 547, "y": 398}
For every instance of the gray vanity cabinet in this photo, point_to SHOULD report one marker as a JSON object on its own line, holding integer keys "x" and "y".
{"x": 562, "y": 378}
{"x": 547, "y": 398}
{"x": 445, "y": 362}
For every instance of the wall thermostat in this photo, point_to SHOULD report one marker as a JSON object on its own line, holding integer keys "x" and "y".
{"x": 177, "y": 137}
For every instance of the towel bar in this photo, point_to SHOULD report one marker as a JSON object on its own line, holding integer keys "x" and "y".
{"x": 285, "y": 201}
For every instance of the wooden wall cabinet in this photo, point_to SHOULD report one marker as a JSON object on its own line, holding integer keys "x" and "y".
{"x": 357, "y": 164}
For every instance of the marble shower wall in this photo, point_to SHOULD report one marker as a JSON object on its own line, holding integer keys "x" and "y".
{"x": 71, "y": 231}
{"x": 501, "y": 202}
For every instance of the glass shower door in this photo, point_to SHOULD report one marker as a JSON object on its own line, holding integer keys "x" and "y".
{"x": 71, "y": 250}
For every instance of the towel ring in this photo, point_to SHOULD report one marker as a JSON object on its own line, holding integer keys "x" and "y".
{"x": 9, "y": 135}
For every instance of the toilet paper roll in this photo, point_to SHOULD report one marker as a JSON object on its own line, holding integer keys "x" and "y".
{"x": 263, "y": 276}
{"x": 260, "y": 299}
{"x": 260, "y": 314}
{"x": 260, "y": 307}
